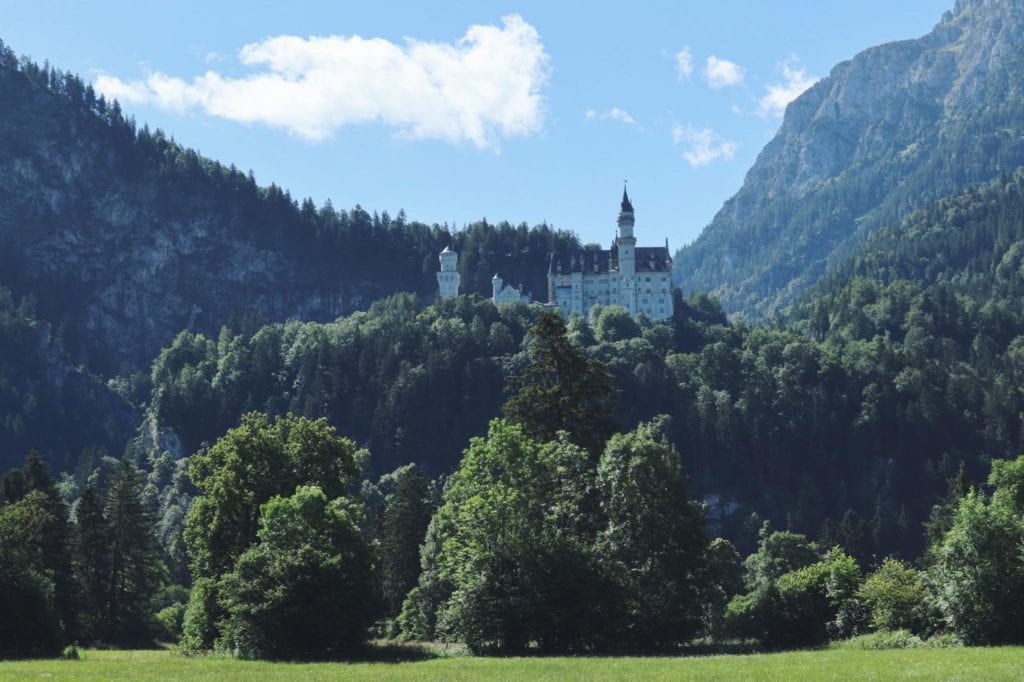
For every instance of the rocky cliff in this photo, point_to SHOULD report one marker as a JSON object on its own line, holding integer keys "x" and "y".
{"x": 895, "y": 127}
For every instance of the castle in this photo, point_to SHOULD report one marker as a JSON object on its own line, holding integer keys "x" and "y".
{"x": 637, "y": 278}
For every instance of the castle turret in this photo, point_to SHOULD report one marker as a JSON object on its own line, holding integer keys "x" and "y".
{"x": 448, "y": 278}
{"x": 495, "y": 287}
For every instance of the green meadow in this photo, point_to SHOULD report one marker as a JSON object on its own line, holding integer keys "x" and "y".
{"x": 999, "y": 663}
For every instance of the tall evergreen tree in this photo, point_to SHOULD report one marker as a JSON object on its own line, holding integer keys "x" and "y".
{"x": 92, "y": 559}
{"x": 135, "y": 569}
{"x": 407, "y": 512}
{"x": 55, "y": 543}
{"x": 562, "y": 390}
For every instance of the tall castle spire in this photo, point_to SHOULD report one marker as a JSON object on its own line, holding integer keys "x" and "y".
{"x": 626, "y": 218}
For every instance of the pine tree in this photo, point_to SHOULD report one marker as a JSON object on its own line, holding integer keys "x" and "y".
{"x": 135, "y": 571}
{"x": 92, "y": 558}
{"x": 55, "y": 543}
{"x": 562, "y": 390}
{"x": 407, "y": 513}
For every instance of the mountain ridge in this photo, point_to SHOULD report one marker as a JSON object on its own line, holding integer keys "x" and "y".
{"x": 889, "y": 130}
{"x": 125, "y": 237}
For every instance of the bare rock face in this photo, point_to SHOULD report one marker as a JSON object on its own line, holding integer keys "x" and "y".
{"x": 897, "y": 126}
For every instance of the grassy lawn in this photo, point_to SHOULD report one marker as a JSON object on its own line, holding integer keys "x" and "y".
{"x": 1004, "y": 663}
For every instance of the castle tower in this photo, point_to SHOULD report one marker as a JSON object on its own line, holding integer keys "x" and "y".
{"x": 626, "y": 243}
{"x": 448, "y": 278}
{"x": 496, "y": 287}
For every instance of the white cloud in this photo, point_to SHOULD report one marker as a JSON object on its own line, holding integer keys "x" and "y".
{"x": 778, "y": 95}
{"x": 684, "y": 63}
{"x": 484, "y": 87}
{"x": 721, "y": 73}
{"x": 703, "y": 146}
{"x": 615, "y": 114}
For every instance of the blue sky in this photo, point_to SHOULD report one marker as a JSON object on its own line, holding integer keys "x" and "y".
{"x": 521, "y": 111}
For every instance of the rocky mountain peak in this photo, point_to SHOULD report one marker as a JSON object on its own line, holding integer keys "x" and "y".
{"x": 897, "y": 125}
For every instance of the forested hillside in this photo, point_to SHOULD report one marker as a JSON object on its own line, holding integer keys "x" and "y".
{"x": 126, "y": 237}
{"x": 46, "y": 403}
{"x": 972, "y": 241}
{"x": 888, "y": 131}
{"x": 856, "y": 427}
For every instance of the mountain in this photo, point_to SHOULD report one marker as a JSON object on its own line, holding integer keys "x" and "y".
{"x": 896, "y": 127}
{"x": 125, "y": 237}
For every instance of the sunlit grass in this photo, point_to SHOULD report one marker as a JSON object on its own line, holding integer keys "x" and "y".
{"x": 1003, "y": 663}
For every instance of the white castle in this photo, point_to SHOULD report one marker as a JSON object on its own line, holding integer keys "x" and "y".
{"x": 448, "y": 278}
{"x": 638, "y": 279}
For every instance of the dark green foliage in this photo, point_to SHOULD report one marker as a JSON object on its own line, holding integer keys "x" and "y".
{"x": 778, "y": 553}
{"x": 413, "y": 384}
{"x": 45, "y": 541}
{"x": 54, "y": 542}
{"x": 535, "y": 545}
{"x": 978, "y": 572}
{"x": 613, "y": 323}
{"x": 199, "y": 629}
{"x": 251, "y": 464}
{"x": 943, "y": 514}
{"x": 406, "y": 515}
{"x": 46, "y": 404}
{"x": 896, "y": 599}
{"x": 654, "y": 542}
{"x": 513, "y": 547}
{"x": 561, "y": 389}
{"x": 722, "y": 582}
{"x": 92, "y": 559}
{"x": 133, "y": 560}
{"x": 804, "y": 607}
{"x": 304, "y": 590}
{"x": 30, "y": 623}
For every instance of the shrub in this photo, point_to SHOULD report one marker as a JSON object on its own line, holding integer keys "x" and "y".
{"x": 801, "y": 608}
{"x": 170, "y": 620}
{"x": 897, "y": 639}
{"x": 70, "y": 653}
{"x": 896, "y": 599}
{"x": 414, "y": 620}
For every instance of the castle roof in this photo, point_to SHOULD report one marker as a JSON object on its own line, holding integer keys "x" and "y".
{"x": 627, "y": 205}
{"x": 603, "y": 261}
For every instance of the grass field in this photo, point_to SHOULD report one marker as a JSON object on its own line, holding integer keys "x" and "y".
{"x": 1004, "y": 663}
